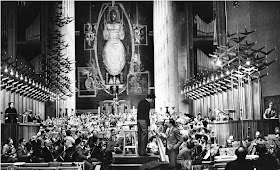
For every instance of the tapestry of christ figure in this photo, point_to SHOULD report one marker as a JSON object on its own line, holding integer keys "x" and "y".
{"x": 114, "y": 52}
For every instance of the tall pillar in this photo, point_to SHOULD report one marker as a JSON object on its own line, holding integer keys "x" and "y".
{"x": 170, "y": 55}
{"x": 62, "y": 48}
{"x": 69, "y": 31}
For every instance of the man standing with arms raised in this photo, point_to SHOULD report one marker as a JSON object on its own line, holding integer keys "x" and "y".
{"x": 143, "y": 122}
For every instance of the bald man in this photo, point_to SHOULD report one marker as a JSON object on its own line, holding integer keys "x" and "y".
{"x": 240, "y": 163}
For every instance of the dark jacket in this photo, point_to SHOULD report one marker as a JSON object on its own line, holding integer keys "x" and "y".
{"x": 266, "y": 161}
{"x": 22, "y": 154}
{"x": 143, "y": 111}
{"x": 78, "y": 155}
{"x": 47, "y": 154}
{"x": 69, "y": 154}
{"x": 239, "y": 164}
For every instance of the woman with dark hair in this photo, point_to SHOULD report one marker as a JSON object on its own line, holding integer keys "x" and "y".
{"x": 9, "y": 151}
{"x": 173, "y": 139}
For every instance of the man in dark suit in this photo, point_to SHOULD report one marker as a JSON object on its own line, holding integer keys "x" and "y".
{"x": 174, "y": 140}
{"x": 22, "y": 154}
{"x": 79, "y": 156}
{"x": 240, "y": 163}
{"x": 47, "y": 151}
{"x": 143, "y": 121}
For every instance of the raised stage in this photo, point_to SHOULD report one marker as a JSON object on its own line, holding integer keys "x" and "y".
{"x": 239, "y": 128}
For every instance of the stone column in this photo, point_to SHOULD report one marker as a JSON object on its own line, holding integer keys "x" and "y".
{"x": 69, "y": 30}
{"x": 62, "y": 49}
{"x": 170, "y": 55}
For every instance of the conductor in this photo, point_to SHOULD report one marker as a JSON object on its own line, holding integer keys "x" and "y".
{"x": 143, "y": 121}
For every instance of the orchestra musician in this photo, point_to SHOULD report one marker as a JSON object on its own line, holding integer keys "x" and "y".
{"x": 70, "y": 149}
{"x": 9, "y": 151}
{"x": 47, "y": 151}
{"x": 22, "y": 154}
{"x": 79, "y": 156}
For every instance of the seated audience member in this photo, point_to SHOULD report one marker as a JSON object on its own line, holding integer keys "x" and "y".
{"x": 22, "y": 154}
{"x": 265, "y": 161}
{"x": 240, "y": 163}
{"x": 79, "y": 156}
{"x": 8, "y": 151}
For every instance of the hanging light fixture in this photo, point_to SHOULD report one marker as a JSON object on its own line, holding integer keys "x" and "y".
{"x": 17, "y": 74}
{"x": 25, "y": 79}
{"x": 21, "y": 77}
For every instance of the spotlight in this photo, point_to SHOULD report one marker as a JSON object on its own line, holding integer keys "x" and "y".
{"x": 248, "y": 62}
{"x": 222, "y": 75}
{"x": 6, "y": 69}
